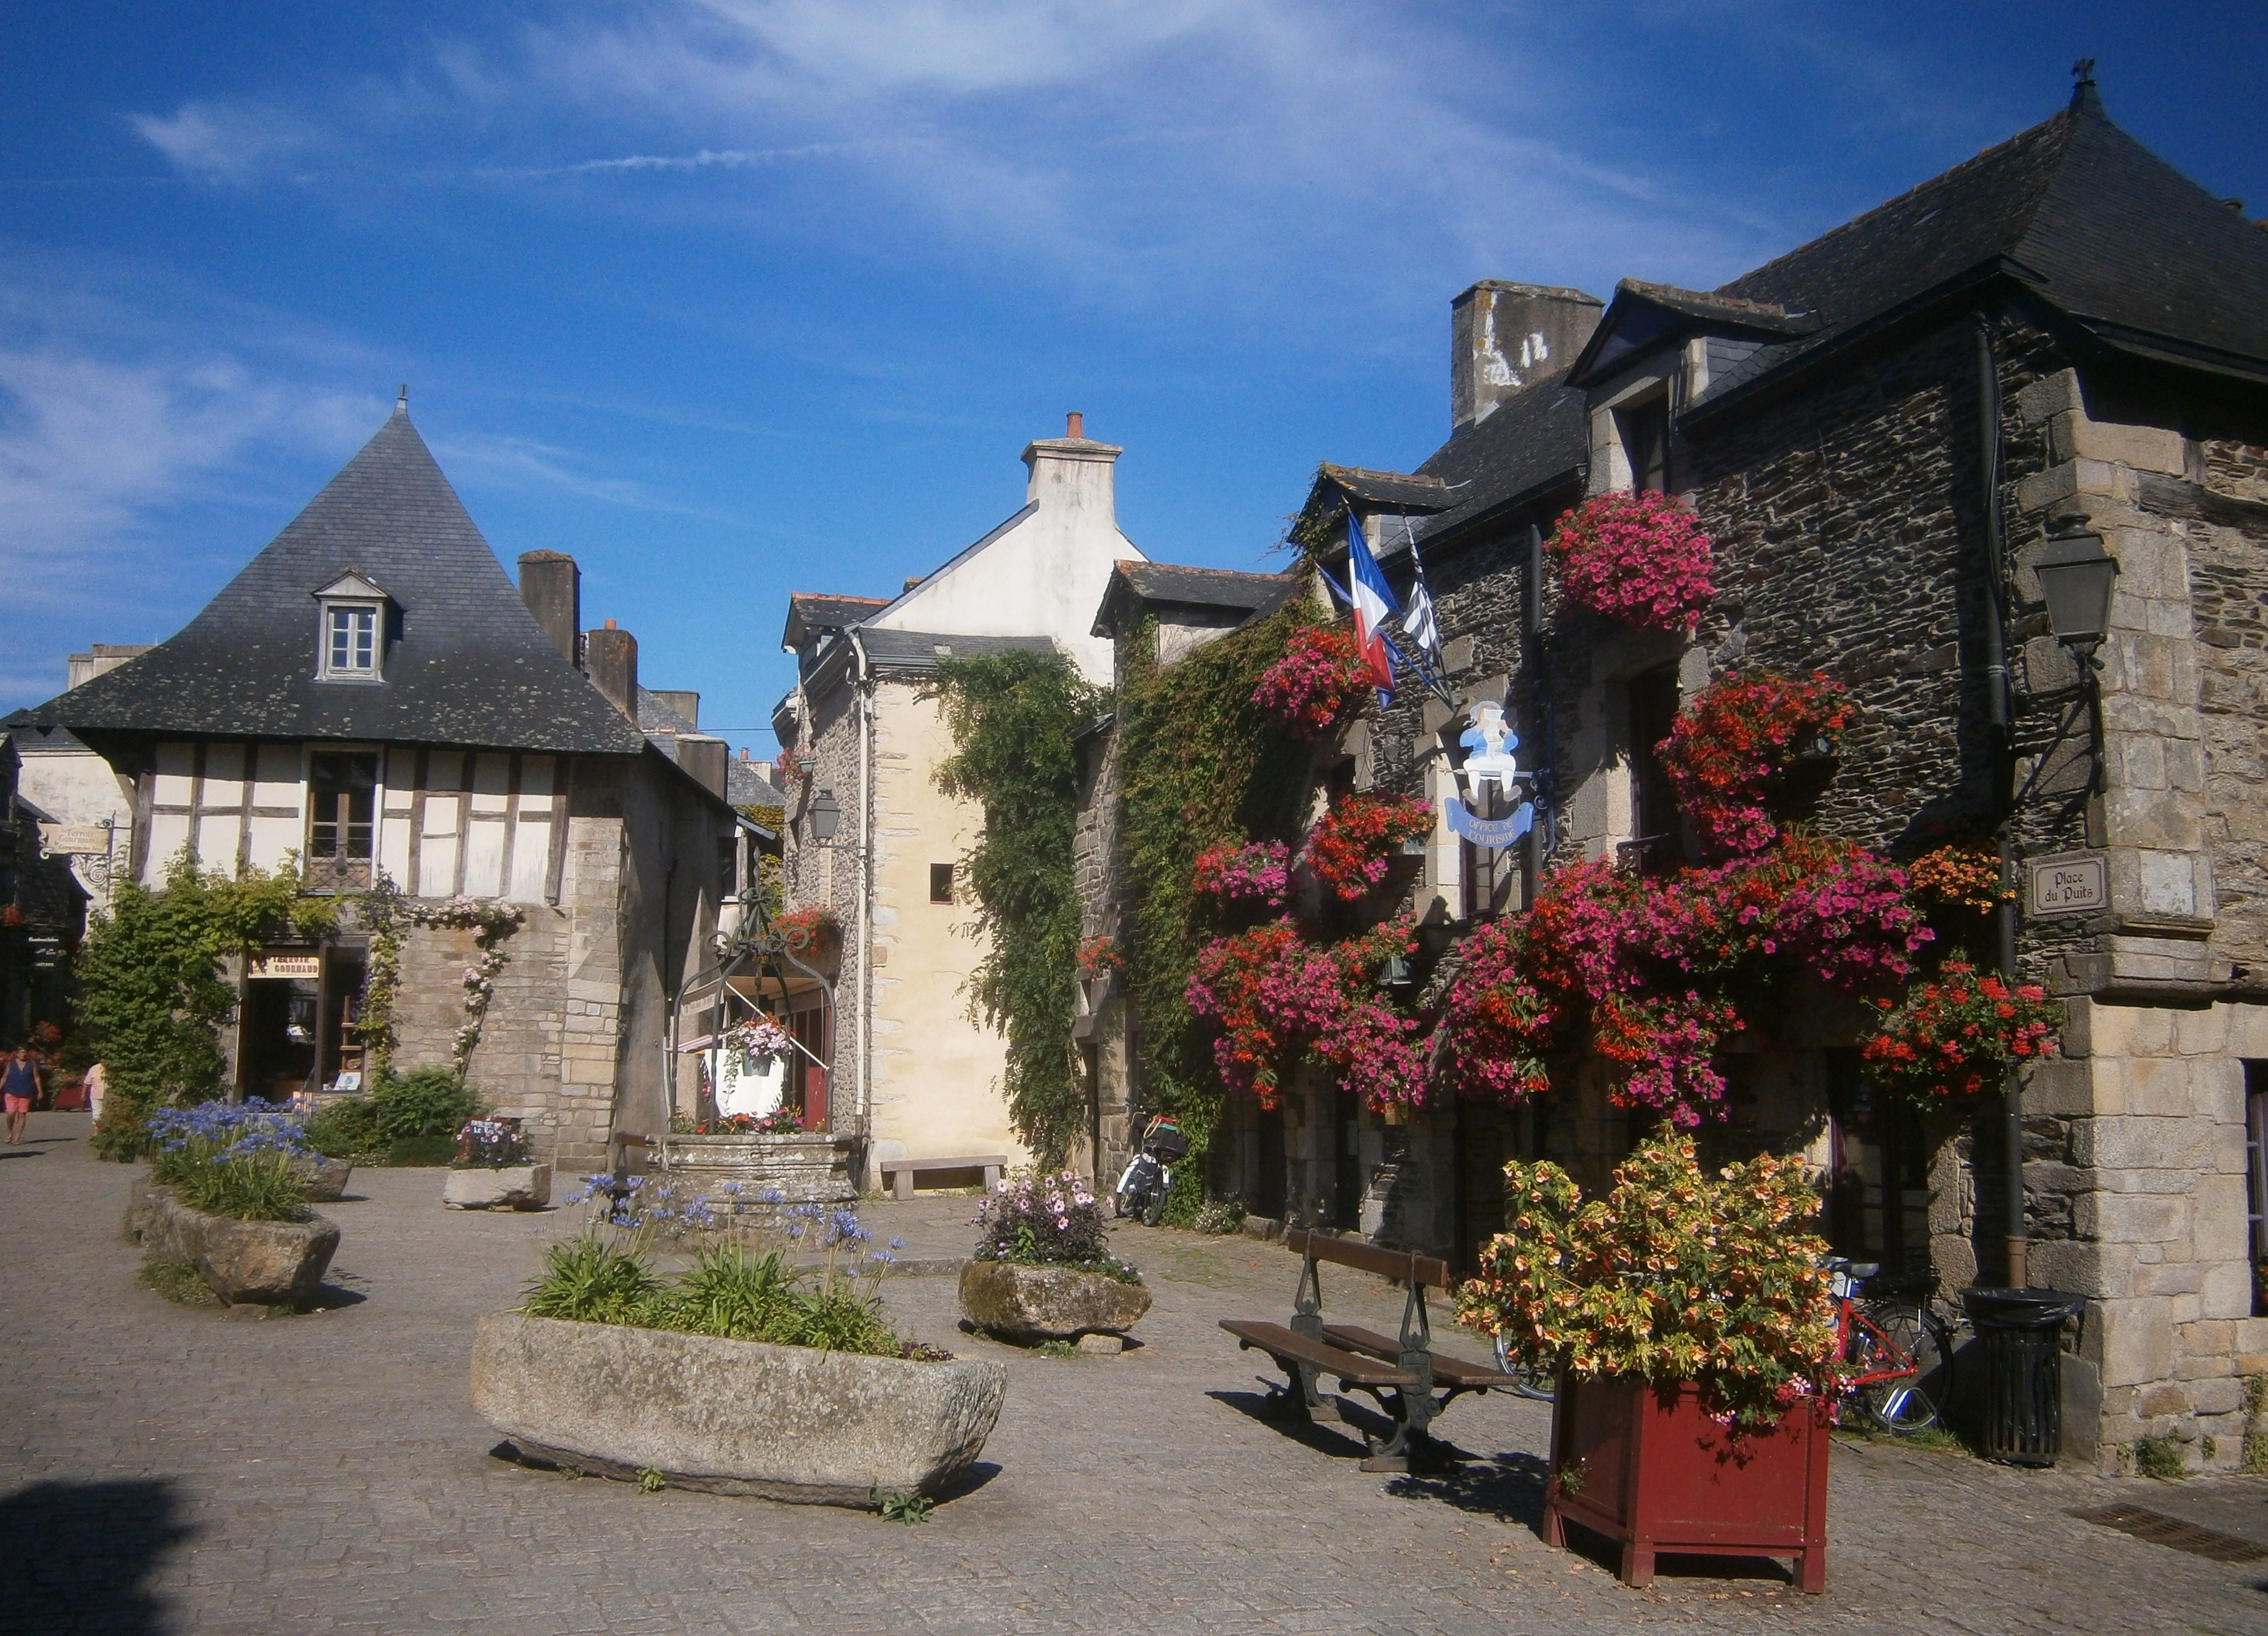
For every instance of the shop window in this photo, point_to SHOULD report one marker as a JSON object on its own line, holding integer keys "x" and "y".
{"x": 940, "y": 883}
{"x": 2255, "y": 1175}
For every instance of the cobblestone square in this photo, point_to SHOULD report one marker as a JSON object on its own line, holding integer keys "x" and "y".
{"x": 165, "y": 1468}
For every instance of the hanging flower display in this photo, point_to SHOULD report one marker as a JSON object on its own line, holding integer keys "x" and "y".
{"x": 1259, "y": 873}
{"x": 1956, "y": 1034}
{"x": 804, "y": 930}
{"x": 1737, "y": 735}
{"x": 1275, "y": 994}
{"x": 1349, "y": 848}
{"x": 1960, "y": 879}
{"x": 1497, "y": 1028}
{"x": 1319, "y": 677}
{"x": 759, "y": 1039}
{"x": 1099, "y": 957}
{"x": 1638, "y": 558}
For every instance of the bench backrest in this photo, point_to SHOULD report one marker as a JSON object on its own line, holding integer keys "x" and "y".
{"x": 1385, "y": 1264}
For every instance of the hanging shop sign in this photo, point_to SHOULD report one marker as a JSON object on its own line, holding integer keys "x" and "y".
{"x": 284, "y": 966}
{"x": 1489, "y": 774}
{"x": 74, "y": 840}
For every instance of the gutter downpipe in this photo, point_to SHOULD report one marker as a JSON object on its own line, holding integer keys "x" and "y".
{"x": 863, "y": 1098}
{"x": 2000, "y": 712}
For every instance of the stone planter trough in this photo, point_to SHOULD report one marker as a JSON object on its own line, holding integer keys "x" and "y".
{"x": 1030, "y": 1304}
{"x": 789, "y": 1422}
{"x": 506, "y": 1187}
{"x": 325, "y": 1179}
{"x": 267, "y": 1263}
{"x": 804, "y": 1167}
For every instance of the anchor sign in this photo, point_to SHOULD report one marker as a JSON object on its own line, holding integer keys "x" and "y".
{"x": 1489, "y": 763}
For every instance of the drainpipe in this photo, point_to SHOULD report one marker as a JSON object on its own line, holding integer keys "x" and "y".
{"x": 863, "y": 1098}
{"x": 2000, "y": 712}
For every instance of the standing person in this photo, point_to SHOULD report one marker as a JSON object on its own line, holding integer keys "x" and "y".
{"x": 18, "y": 1088}
{"x": 95, "y": 1083}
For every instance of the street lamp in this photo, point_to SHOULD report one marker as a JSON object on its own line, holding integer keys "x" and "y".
{"x": 2076, "y": 576}
{"x": 824, "y": 816}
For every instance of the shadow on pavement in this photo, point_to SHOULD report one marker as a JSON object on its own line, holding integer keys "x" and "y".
{"x": 1508, "y": 1487}
{"x": 1254, "y": 1406}
{"x": 76, "y": 1557}
{"x": 21, "y": 1153}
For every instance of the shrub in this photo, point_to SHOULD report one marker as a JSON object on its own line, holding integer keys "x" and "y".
{"x": 586, "y": 1280}
{"x": 1220, "y": 1216}
{"x": 1673, "y": 1276}
{"x": 346, "y": 1128}
{"x": 426, "y": 1102}
{"x": 421, "y": 1152}
{"x": 1047, "y": 1220}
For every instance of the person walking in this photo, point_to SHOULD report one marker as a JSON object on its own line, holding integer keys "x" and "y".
{"x": 94, "y": 1083}
{"x": 18, "y": 1087}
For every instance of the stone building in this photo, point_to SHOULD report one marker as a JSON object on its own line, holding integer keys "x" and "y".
{"x": 370, "y": 697}
{"x": 863, "y": 736}
{"x": 1880, "y": 430}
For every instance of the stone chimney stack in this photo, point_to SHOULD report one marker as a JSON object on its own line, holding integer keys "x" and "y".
{"x": 611, "y": 657}
{"x": 1073, "y": 473}
{"x": 552, "y": 587}
{"x": 1505, "y": 338}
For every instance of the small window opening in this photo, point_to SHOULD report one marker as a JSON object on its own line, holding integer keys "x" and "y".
{"x": 1644, "y": 431}
{"x": 940, "y": 883}
{"x": 1657, "y": 840}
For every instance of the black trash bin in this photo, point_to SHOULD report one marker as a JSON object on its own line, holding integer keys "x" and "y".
{"x": 2019, "y": 1331}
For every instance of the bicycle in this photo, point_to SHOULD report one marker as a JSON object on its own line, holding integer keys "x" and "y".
{"x": 1527, "y": 1381}
{"x": 1892, "y": 1345}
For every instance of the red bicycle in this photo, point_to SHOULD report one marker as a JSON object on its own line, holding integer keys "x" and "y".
{"x": 1898, "y": 1351}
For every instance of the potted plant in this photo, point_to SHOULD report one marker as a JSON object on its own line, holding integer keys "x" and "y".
{"x": 1043, "y": 1269}
{"x": 493, "y": 1169}
{"x": 751, "y": 1372}
{"x": 1692, "y": 1332}
{"x": 225, "y": 1195}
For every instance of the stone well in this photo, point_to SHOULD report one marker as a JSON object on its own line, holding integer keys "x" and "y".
{"x": 804, "y": 1167}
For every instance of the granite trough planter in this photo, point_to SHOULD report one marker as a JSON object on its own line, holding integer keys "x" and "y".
{"x": 734, "y": 1172}
{"x": 325, "y": 1179}
{"x": 790, "y": 1422}
{"x": 1026, "y": 1305}
{"x": 266, "y": 1263}
{"x": 505, "y": 1186}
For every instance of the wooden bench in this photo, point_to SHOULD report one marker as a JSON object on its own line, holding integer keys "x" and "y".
{"x": 1409, "y": 1380}
{"x": 898, "y": 1173}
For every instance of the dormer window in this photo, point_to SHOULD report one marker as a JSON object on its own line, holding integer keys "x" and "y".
{"x": 351, "y": 636}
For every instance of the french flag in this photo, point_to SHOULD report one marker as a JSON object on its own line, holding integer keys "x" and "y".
{"x": 1372, "y": 599}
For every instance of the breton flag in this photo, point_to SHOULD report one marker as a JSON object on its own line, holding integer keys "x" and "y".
{"x": 1374, "y": 600}
{"x": 1417, "y": 621}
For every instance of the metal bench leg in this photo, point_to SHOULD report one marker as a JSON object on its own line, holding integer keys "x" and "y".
{"x": 1393, "y": 1455}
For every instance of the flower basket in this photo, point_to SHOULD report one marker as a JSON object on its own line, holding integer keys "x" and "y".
{"x": 1648, "y": 1467}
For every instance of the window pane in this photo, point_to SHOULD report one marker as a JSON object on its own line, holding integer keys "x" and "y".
{"x": 341, "y": 805}
{"x": 365, "y": 628}
{"x": 341, "y": 656}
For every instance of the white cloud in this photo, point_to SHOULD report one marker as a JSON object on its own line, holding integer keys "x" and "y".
{"x": 222, "y": 142}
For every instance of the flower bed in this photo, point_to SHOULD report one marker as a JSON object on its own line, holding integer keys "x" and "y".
{"x": 1637, "y": 558}
{"x": 227, "y": 1194}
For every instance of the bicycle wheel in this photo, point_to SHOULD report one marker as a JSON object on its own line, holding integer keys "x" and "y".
{"x": 1526, "y": 1381}
{"x": 1908, "y": 1402}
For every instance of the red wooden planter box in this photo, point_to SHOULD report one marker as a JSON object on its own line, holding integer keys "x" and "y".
{"x": 1657, "y": 1474}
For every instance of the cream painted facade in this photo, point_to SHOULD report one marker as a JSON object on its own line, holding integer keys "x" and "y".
{"x": 909, "y": 1068}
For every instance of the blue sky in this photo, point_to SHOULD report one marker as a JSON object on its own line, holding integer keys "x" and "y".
{"x": 732, "y": 297}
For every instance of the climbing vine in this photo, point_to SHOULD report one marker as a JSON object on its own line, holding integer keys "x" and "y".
{"x": 151, "y": 995}
{"x": 1015, "y": 718}
{"x": 386, "y": 916}
{"x": 1202, "y": 765}
{"x": 490, "y": 922}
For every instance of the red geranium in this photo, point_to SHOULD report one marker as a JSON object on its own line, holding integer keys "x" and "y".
{"x": 1958, "y": 1035}
{"x": 1319, "y": 677}
{"x": 1734, "y": 738}
{"x": 1348, "y": 849}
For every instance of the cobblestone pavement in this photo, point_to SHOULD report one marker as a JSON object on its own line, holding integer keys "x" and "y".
{"x": 168, "y": 1469}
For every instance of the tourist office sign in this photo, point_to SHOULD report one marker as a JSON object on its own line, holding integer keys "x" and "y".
{"x": 1490, "y": 772}
{"x": 2073, "y": 885}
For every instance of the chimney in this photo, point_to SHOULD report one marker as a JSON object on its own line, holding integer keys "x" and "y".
{"x": 1505, "y": 338}
{"x": 685, "y": 702}
{"x": 101, "y": 659}
{"x": 1073, "y": 472}
{"x": 705, "y": 758}
{"x": 611, "y": 657}
{"x": 552, "y": 587}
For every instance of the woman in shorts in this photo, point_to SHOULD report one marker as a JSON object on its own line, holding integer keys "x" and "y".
{"x": 18, "y": 1088}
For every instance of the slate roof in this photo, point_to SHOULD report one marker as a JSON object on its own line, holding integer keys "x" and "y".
{"x": 1643, "y": 313}
{"x": 814, "y": 613}
{"x": 920, "y": 650}
{"x": 467, "y": 663}
{"x": 1532, "y": 442}
{"x": 1393, "y": 490}
{"x": 746, "y": 785}
{"x": 2101, "y": 227}
{"x": 1246, "y": 596}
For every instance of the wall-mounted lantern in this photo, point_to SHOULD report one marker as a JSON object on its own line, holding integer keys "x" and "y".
{"x": 824, "y": 816}
{"x": 2076, "y": 577}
